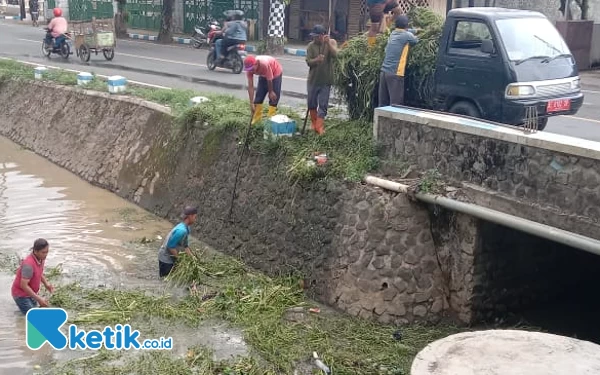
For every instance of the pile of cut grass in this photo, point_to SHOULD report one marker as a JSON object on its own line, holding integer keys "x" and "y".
{"x": 273, "y": 313}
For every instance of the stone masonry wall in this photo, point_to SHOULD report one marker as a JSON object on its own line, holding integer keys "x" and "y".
{"x": 563, "y": 188}
{"x": 366, "y": 251}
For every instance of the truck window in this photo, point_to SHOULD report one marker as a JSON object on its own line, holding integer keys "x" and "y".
{"x": 468, "y": 36}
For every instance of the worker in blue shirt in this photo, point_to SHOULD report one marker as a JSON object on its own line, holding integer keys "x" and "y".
{"x": 393, "y": 69}
{"x": 176, "y": 242}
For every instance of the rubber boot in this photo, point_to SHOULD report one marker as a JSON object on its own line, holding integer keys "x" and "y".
{"x": 257, "y": 113}
{"x": 320, "y": 126}
{"x": 272, "y": 111}
{"x": 313, "y": 119}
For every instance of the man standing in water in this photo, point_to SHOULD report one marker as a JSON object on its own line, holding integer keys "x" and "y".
{"x": 176, "y": 242}
{"x": 30, "y": 275}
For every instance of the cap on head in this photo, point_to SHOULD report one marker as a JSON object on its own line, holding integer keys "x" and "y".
{"x": 402, "y": 22}
{"x": 318, "y": 30}
{"x": 249, "y": 63}
{"x": 57, "y": 12}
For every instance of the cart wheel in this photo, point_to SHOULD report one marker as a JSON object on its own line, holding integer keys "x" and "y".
{"x": 109, "y": 54}
{"x": 84, "y": 53}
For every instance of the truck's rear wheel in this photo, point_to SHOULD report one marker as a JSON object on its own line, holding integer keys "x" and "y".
{"x": 542, "y": 122}
{"x": 465, "y": 108}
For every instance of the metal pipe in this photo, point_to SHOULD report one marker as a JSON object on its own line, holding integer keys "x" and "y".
{"x": 541, "y": 230}
{"x": 386, "y": 184}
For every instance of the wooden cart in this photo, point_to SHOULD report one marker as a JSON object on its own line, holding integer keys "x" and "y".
{"x": 95, "y": 36}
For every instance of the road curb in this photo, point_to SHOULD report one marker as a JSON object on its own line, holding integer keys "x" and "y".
{"x": 10, "y": 18}
{"x": 249, "y": 48}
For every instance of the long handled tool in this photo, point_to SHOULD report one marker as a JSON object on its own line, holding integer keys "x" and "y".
{"x": 305, "y": 121}
{"x": 237, "y": 173}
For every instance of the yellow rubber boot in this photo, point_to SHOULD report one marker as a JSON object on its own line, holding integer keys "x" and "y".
{"x": 272, "y": 111}
{"x": 257, "y": 113}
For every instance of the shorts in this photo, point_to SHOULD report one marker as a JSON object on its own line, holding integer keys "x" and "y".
{"x": 377, "y": 8}
{"x": 262, "y": 90}
{"x": 25, "y": 304}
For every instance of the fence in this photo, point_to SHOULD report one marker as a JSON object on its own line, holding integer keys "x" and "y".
{"x": 85, "y": 10}
{"x": 144, "y": 14}
{"x": 201, "y": 12}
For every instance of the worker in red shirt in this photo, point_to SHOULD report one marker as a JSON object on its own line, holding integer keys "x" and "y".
{"x": 30, "y": 275}
{"x": 270, "y": 75}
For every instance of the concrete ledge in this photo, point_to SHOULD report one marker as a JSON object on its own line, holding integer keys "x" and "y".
{"x": 507, "y": 352}
{"x": 105, "y": 95}
{"x": 543, "y": 140}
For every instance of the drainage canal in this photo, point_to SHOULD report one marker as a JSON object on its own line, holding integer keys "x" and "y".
{"x": 530, "y": 281}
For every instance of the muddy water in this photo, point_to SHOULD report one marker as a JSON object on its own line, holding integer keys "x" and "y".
{"x": 92, "y": 234}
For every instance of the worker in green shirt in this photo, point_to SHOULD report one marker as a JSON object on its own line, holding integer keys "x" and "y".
{"x": 320, "y": 56}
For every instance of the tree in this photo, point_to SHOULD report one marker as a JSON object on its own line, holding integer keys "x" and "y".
{"x": 584, "y": 7}
{"x": 165, "y": 34}
{"x": 275, "y": 34}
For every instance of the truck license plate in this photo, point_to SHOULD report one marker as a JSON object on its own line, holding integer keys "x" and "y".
{"x": 558, "y": 105}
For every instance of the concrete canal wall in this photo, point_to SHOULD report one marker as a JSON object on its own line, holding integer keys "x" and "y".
{"x": 369, "y": 252}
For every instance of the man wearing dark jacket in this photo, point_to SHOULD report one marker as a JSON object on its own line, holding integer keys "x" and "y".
{"x": 393, "y": 69}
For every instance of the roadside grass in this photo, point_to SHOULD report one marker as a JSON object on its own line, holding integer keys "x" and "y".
{"x": 273, "y": 314}
{"x": 348, "y": 144}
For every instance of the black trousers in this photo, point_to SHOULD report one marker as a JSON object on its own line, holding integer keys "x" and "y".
{"x": 391, "y": 89}
{"x": 164, "y": 269}
{"x": 228, "y": 43}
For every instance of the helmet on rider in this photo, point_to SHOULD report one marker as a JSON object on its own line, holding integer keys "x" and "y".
{"x": 238, "y": 16}
{"x": 57, "y": 12}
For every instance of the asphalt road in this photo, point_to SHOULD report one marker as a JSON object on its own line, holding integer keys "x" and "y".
{"x": 184, "y": 67}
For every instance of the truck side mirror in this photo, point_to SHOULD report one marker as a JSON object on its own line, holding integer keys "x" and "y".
{"x": 487, "y": 46}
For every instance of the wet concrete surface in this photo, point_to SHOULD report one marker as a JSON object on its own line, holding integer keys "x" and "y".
{"x": 95, "y": 237}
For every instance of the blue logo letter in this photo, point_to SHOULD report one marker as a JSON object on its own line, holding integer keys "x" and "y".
{"x": 43, "y": 324}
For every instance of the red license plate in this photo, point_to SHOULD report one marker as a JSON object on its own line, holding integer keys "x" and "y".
{"x": 558, "y": 105}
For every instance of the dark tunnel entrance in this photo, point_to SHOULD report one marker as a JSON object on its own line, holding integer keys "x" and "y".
{"x": 524, "y": 280}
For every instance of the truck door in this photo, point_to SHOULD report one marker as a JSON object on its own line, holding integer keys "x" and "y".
{"x": 465, "y": 72}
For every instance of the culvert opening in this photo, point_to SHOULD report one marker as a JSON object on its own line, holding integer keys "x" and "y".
{"x": 521, "y": 279}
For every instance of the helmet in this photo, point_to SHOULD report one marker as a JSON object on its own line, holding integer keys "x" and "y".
{"x": 57, "y": 12}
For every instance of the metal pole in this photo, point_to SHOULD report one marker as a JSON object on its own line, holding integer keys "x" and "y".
{"x": 329, "y": 23}
{"x": 471, "y": 3}
{"x": 449, "y": 5}
{"x": 564, "y": 237}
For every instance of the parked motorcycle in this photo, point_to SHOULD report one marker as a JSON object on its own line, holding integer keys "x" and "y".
{"x": 201, "y": 37}
{"x": 234, "y": 58}
{"x": 60, "y": 46}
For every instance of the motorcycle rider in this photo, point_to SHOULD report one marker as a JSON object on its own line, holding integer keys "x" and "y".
{"x": 235, "y": 32}
{"x": 57, "y": 26}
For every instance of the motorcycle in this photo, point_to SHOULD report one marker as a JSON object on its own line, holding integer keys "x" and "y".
{"x": 200, "y": 37}
{"x": 234, "y": 59}
{"x": 60, "y": 46}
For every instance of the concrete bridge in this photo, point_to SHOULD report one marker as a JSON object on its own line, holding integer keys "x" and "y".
{"x": 543, "y": 188}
